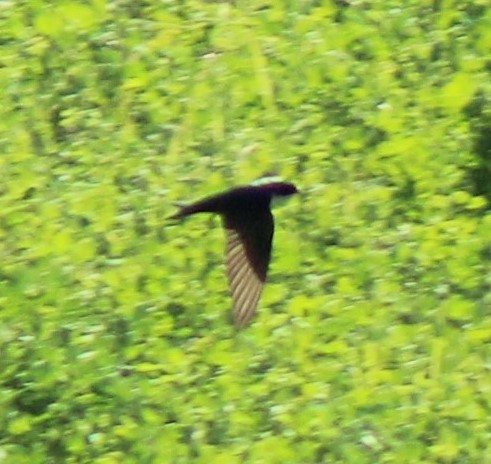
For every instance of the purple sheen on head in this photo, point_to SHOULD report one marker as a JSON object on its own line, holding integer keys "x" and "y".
{"x": 281, "y": 189}
{"x": 276, "y": 186}
{"x": 285, "y": 189}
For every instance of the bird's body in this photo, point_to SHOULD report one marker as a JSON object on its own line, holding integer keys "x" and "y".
{"x": 249, "y": 228}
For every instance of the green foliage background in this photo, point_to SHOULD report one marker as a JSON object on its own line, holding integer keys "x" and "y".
{"x": 373, "y": 339}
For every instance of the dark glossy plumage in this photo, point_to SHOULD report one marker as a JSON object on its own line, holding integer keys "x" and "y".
{"x": 249, "y": 228}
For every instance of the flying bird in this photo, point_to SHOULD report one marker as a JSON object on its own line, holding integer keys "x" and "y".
{"x": 249, "y": 227}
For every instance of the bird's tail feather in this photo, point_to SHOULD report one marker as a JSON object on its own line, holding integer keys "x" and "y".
{"x": 183, "y": 211}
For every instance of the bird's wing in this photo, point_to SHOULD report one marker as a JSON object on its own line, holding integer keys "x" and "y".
{"x": 248, "y": 254}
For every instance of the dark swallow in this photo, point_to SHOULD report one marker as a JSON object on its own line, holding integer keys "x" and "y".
{"x": 249, "y": 227}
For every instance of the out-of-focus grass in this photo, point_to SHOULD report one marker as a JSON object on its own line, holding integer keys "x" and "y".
{"x": 372, "y": 339}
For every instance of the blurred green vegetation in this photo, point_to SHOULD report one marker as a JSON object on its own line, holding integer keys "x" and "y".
{"x": 373, "y": 339}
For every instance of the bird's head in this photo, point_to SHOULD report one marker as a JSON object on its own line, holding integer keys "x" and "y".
{"x": 276, "y": 186}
